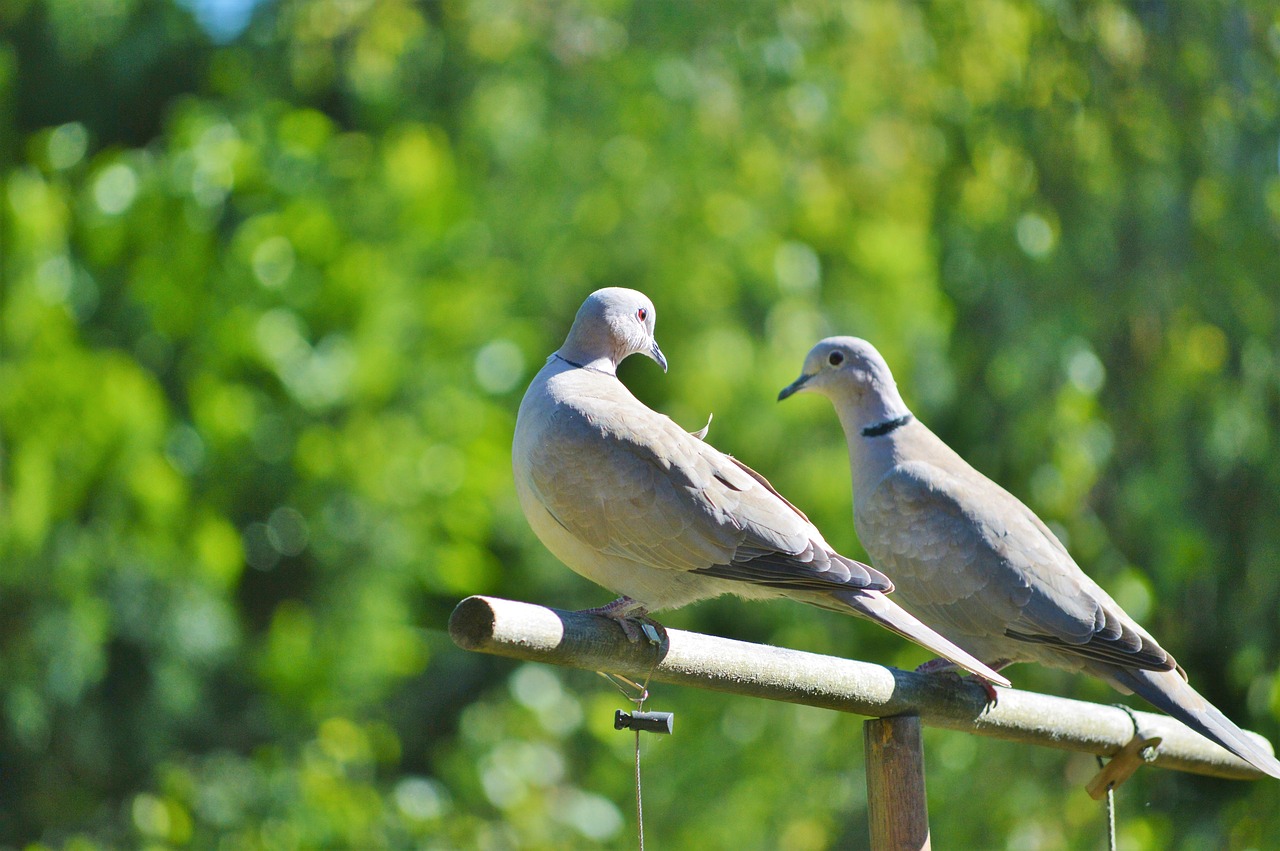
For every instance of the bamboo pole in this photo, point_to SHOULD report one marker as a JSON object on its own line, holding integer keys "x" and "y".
{"x": 524, "y": 631}
{"x": 897, "y": 808}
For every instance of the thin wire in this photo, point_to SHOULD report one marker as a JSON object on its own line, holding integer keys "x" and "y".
{"x": 640, "y": 805}
{"x": 1111, "y": 813}
{"x": 1111, "y": 793}
{"x": 643, "y": 690}
{"x": 1111, "y": 819}
{"x": 639, "y": 702}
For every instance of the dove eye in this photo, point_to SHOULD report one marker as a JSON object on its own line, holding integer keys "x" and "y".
{"x": 835, "y": 358}
{"x": 642, "y": 314}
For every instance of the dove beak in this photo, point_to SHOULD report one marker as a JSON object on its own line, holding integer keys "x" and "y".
{"x": 794, "y": 387}
{"x": 656, "y": 353}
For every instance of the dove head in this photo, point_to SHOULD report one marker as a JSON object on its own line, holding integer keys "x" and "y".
{"x": 612, "y": 324}
{"x": 853, "y": 375}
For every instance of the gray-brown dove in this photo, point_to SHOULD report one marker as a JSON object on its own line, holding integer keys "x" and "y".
{"x": 971, "y": 560}
{"x": 633, "y": 502}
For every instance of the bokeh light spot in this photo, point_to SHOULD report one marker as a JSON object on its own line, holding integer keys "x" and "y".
{"x": 422, "y": 798}
{"x": 67, "y": 145}
{"x": 499, "y": 366}
{"x": 1035, "y": 235}
{"x": 797, "y": 267}
{"x": 115, "y": 189}
{"x": 273, "y": 261}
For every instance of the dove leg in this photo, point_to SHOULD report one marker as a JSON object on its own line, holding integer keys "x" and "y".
{"x": 936, "y": 666}
{"x": 623, "y": 607}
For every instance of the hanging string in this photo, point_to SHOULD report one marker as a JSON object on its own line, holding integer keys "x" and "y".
{"x": 639, "y": 802}
{"x": 642, "y": 690}
{"x": 1111, "y": 813}
{"x": 1137, "y": 751}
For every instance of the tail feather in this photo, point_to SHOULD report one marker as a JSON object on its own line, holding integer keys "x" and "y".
{"x": 1168, "y": 692}
{"x": 876, "y": 607}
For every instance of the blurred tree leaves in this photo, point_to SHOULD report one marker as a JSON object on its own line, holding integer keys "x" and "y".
{"x": 269, "y": 303}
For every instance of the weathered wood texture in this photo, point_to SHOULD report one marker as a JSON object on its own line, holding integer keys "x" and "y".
{"x": 897, "y": 808}
{"x": 573, "y": 639}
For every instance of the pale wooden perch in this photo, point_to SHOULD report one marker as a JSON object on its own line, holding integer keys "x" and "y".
{"x": 535, "y": 633}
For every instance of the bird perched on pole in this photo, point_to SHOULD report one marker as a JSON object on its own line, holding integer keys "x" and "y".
{"x": 970, "y": 559}
{"x": 628, "y": 499}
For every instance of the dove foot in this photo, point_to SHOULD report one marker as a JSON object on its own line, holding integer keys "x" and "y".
{"x": 943, "y": 667}
{"x": 634, "y": 620}
{"x": 993, "y": 697}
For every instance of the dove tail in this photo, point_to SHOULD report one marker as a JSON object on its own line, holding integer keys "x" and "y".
{"x": 1168, "y": 692}
{"x": 876, "y": 607}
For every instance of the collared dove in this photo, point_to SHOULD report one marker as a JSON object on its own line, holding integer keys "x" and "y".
{"x": 628, "y": 499}
{"x": 970, "y": 559}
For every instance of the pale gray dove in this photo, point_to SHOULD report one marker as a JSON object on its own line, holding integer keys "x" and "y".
{"x": 633, "y": 502}
{"x": 968, "y": 558}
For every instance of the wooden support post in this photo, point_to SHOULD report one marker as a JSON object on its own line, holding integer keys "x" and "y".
{"x": 896, "y": 805}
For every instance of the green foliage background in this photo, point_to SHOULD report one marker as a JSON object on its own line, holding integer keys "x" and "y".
{"x": 269, "y": 305}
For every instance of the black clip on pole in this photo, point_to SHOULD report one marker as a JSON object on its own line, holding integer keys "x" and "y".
{"x": 650, "y": 722}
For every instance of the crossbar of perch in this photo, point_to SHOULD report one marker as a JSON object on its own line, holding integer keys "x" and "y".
{"x": 593, "y": 643}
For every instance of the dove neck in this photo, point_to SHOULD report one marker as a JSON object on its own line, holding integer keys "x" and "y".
{"x": 873, "y": 410}
{"x": 887, "y": 427}
{"x": 602, "y": 364}
{"x": 872, "y": 425}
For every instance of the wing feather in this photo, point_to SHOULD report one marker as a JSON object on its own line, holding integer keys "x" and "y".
{"x": 979, "y": 561}
{"x": 632, "y": 484}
